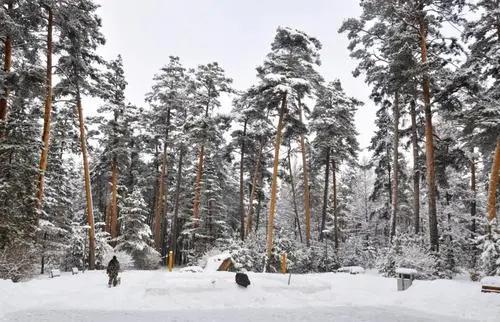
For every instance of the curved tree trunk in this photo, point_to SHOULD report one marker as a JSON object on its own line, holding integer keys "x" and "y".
{"x": 88, "y": 191}
{"x": 416, "y": 168}
{"x": 429, "y": 145}
{"x": 47, "y": 115}
{"x": 307, "y": 205}
{"x": 274, "y": 184}
{"x": 325, "y": 194}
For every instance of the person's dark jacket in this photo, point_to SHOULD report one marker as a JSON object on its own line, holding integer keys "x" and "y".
{"x": 113, "y": 267}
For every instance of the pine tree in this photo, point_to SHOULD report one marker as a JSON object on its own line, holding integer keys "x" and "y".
{"x": 80, "y": 36}
{"x": 136, "y": 238}
{"x": 287, "y": 71}
{"x": 210, "y": 82}
{"x": 167, "y": 97}
{"x": 335, "y": 141}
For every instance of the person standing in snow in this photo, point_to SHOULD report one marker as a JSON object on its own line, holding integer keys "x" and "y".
{"x": 112, "y": 270}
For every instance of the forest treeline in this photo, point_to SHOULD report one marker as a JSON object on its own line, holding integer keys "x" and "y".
{"x": 278, "y": 173}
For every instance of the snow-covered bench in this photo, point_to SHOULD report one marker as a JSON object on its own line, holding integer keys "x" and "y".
{"x": 74, "y": 271}
{"x": 351, "y": 270}
{"x": 490, "y": 284}
{"x": 54, "y": 273}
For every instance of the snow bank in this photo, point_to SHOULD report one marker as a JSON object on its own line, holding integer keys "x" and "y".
{"x": 214, "y": 296}
{"x": 406, "y": 271}
{"x": 191, "y": 269}
{"x": 491, "y": 281}
{"x": 351, "y": 269}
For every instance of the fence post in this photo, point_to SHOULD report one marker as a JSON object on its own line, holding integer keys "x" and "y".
{"x": 170, "y": 260}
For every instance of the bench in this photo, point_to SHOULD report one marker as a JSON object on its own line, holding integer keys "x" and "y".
{"x": 54, "y": 273}
{"x": 74, "y": 271}
{"x": 490, "y": 284}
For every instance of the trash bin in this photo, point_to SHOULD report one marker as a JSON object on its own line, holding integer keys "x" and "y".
{"x": 405, "y": 278}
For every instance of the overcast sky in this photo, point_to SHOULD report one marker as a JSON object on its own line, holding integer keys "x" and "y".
{"x": 237, "y": 34}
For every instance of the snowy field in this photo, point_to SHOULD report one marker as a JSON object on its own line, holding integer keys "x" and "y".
{"x": 161, "y": 296}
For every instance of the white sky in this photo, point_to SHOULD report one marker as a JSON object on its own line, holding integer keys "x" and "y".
{"x": 236, "y": 34}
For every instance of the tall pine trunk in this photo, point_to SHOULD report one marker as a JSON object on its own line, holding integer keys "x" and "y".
{"x": 395, "y": 166}
{"x": 325, "y": 194}
{"x": 474, "y": 195}
{"x": 274, "y": 184}
{"x": 335, "y": 210}
{"x": 113, "y": 206}
{"x": 253, "y": 193}
{"x": 199, "y": 175}
{"x": 47, "y": 115}
{"x": 429, "y": 145}
{"x": 492, "y": 188}
{"x": 242, "y": 192}
{"x": 259, "y": 204}
{"x": 88, "y": 191}
{"x": 175, "y": 223}
{"x": 197, "y": 186}
{"x": 307, "y": 206}
{"x": 416, "y": 168}
{"x": 7, "y": 64}
{"x": 159, "y": 202}
{"x": 292, "y": 183}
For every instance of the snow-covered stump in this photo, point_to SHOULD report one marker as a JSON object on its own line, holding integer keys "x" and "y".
{"x": 405, "y": 277}
{"x": 490, "y": 284}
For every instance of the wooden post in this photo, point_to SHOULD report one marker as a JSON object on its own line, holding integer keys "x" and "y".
{"x": 170, "y": 260}
{"x": 283, "y": 263}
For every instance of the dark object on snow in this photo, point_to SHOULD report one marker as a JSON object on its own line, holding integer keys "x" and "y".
{"x": 242, "y": 279}
{"x": 112, "y": 270}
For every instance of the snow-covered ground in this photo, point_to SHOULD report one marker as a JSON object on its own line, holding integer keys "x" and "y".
{"x": 214, "y": 296}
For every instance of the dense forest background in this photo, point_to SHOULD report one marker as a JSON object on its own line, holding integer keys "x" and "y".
{"x": 279, "y": 173}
